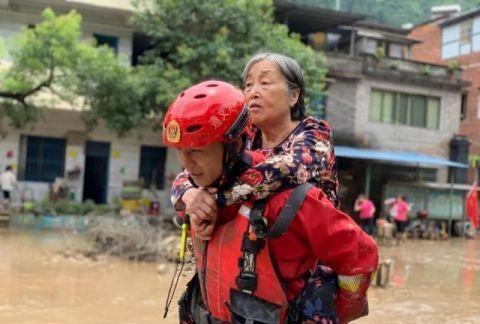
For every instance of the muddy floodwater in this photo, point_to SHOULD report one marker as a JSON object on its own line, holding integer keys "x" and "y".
{"x": 432, "y": 282}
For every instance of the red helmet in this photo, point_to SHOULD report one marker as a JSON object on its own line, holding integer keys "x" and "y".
{"x": 208, "y": 112}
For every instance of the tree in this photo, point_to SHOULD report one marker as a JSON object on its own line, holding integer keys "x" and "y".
{"x": 392, "y": 12}
{"x": 200, "y": 39}
{"x": 192, "y": 40}
{"x": 49, "y": 61}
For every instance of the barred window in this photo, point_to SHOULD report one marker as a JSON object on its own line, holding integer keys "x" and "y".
{"x": 42, "y": 158}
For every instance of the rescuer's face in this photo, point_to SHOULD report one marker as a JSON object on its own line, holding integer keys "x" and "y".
{"x": 205, "y": 164}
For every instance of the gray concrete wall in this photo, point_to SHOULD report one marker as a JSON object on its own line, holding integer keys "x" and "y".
{"x": 348, "y": 109}
{"x": 342, "y": 108}
{"x": 402, "y": 137}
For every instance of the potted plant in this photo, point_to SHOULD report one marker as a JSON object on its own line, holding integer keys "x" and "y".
{"x": 379, "y": 55}
{"x": 426, "y": 69}
{"x": 453, "y": 68}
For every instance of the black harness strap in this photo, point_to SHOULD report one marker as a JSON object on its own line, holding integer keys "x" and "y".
{"x": 247, "y": 279}
{"x": 256, "y": 218}
{"x": 289, "y": 211}
{"x": 286, "y": 216}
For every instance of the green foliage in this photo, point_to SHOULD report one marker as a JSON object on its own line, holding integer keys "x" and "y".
{"x": 454, "y": 65}
{"x": 51, "y": 59}
{"x": 426, "y": 69}
{"x": 68, "y": 207}
{"x": 392, "y": 12}
{"x": 201, "y": 39}
{"x": 194, "y": 40}
{"x": 379, "y": 53}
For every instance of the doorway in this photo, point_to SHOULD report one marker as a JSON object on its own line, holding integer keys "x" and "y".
{"x": 95, "y": 182}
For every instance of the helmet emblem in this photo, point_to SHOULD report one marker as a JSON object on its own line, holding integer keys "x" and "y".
{"x": 215, "y": 122}
{"x": 173, "y": 132}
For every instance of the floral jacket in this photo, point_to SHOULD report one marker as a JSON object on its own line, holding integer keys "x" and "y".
{"x": 305, "y": 155}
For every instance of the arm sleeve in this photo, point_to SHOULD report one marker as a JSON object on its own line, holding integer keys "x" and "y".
{"x": 179, "y": 186}
{"x": 310, "y": 153}
{"x": 336, "y": 240}
{"x": 340, "y": 244}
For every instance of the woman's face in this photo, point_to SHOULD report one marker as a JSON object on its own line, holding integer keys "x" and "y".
{"x": 267, "y": 95}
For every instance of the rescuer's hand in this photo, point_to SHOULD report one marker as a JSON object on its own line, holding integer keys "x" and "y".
{"x": 202, "y": 207}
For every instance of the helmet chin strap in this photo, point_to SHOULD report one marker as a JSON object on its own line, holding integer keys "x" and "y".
{"x": 232, "y": 154}
{"x": 235, "y": 162}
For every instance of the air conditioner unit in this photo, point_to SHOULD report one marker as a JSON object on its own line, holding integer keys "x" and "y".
{"x": 445, "y": 11}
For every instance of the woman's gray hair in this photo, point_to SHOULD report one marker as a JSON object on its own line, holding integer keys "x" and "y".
{"x": 292, "y": 72}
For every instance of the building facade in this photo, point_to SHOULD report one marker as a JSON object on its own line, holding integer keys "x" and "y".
{"x": 453, "y": 39}
{"x": 379, "y": 97}
{"x": 382, "y": 99}
{"x": 96, "y": 163}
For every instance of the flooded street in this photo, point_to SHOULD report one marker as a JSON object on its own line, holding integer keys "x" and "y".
{"x": 432, "y": 282}
{"x": 38, "y": 285}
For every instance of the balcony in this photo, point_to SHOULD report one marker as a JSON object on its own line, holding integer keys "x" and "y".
{"x": 341, "y": 66}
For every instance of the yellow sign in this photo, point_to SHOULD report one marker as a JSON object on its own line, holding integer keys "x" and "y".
{"x": 116, "y": 154}
{"x": 173, "y": 132}
{"x": 73, "y": 154}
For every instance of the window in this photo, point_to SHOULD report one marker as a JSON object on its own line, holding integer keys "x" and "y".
{"x": 463, "y": 107}
{"x": 152, "y": 165}
{"x": 405, "y": 109}
{"x": 433, "y": 113}
{"x": 399, "y": 51}
{"x": 370, "y": 46}
{"x": 476, "y": 34}
{"x": 461, "y": 39}
{"x": 395, "y": 50}
{"x": 465, "y": 37}
{"x": 450, "y": 41}
{"x": 388, "y": 108}
{"x": 110, "y": 41}
{"x": 418, "y": 110}
{"x": 140, "y": 44}
{"x": 42, "y": 158}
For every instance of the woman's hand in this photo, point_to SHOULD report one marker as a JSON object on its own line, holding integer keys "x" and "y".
{"x": 201, "y": 206}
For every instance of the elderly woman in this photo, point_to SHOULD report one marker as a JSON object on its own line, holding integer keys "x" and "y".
{"x": 298, "y": 149}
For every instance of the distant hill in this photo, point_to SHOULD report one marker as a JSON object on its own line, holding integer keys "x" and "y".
{"x": 392, "y": 12}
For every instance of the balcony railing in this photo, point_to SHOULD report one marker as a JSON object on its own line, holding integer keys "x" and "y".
{"x": 344, "y": 66}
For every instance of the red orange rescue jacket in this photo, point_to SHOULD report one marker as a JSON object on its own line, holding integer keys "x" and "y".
{"x": 319, "y": 232}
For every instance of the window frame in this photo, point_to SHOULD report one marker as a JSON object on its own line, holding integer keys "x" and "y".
{"x": 160, "y": 182}
{"x": 464, "y": 40}
{"x": 397, "y": 108}
{"x": 42, "y": 163}
{"x": 106, "y": 41}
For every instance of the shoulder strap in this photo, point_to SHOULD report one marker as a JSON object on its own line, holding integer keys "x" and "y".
{"x": 286, "y": 216}
{"x": 290, "y": 209}
{"x": 246, "y": 281}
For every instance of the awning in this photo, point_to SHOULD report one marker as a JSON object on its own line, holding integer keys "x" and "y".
{"x": 395, "y": 156}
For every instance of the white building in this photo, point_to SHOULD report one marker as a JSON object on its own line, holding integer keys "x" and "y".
{"x": 96, "y": 163}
